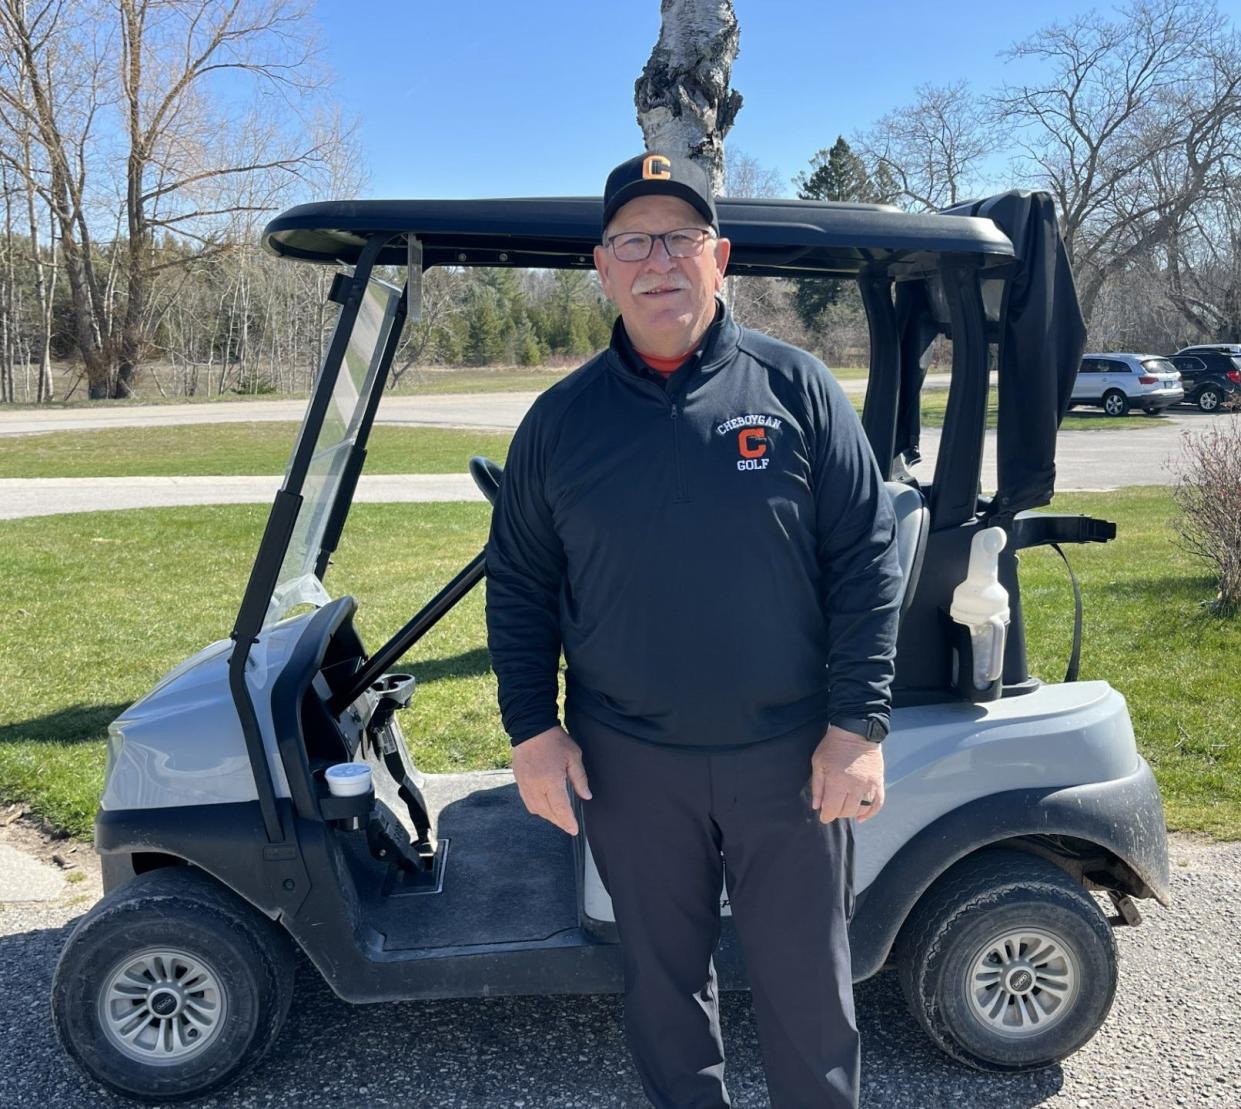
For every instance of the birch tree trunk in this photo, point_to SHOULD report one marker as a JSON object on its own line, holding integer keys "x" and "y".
{"x": 44, "y": 291}
{"x": 684, "y": 102}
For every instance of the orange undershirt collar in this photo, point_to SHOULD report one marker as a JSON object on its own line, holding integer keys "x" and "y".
{"x": 666, "y": 366}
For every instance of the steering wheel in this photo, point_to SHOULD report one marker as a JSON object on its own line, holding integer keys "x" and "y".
{"x": 486, "y": 475}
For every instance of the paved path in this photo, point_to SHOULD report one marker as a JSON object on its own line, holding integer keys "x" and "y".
{"x": 20, "y": 497}
{"x": 1170, "y": 1040}
{"x": 481, "y": 410}
{"x": 1086, "y": 460}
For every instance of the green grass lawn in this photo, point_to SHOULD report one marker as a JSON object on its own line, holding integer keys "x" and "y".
{"x": 98, "y": 606}
{"x": 263, "y": 447}
{"x": 226, "y": 449}
{"x": 935, "y": 404}
{"x": 424, "y": 380}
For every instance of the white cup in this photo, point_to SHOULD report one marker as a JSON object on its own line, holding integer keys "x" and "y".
{"x": 348, "y": 779}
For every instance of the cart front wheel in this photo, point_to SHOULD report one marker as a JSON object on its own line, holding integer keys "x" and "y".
{"x": 1007, "y": 963}
{"x": 171, "y": 987}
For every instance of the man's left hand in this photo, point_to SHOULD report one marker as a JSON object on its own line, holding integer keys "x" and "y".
{"x": 846, "y": 770}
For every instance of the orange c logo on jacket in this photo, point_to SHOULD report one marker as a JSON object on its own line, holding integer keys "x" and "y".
{"x": 752, "y": 442}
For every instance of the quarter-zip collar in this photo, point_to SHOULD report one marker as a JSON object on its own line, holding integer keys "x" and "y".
{"x": 717, "y": 346}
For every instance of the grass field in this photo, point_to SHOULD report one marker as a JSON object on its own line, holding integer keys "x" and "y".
{"x": 227, "y": 449}
{"x": 415, "y": 381}
{"x": 935, "y": 404}
{"x": 262, "y": 447}
{"x": 98, "y": 606}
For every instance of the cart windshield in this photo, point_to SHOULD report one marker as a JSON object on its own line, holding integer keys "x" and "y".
{"x": 334, "y": 438}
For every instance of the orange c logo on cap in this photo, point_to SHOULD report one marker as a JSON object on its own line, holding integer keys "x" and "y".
{"x": 752, "y": 442}
{"x": 656, "y": 167}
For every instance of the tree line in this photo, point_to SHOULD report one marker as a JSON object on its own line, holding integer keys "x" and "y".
{"x": 135, "y": 187}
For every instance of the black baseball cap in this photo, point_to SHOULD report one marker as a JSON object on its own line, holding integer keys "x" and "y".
{"x": 660, "y": 174}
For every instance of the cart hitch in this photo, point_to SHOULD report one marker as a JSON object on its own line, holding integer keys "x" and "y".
{"x": 1127, "y": 910}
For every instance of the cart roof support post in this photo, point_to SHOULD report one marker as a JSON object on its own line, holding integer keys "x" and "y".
{"x": 958, "y": 467}
{"x": 279, "y": 530}
{"x": 884, "y": 386}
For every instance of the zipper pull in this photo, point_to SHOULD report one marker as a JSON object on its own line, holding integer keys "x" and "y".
{"x": 672, "y": 412}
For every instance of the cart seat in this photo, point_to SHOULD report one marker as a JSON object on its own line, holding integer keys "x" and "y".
{"x": 912, "y": 524}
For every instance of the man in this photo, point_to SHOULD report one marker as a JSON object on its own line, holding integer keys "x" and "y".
{"x": 696, "y": 519}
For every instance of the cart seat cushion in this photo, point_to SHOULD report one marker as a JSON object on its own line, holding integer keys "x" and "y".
{"x": 912, "y": 520}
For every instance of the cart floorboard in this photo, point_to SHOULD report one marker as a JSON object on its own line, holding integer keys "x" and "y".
{"x": 508, "y": 876}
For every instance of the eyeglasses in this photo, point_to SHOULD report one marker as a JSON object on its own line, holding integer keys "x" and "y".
{"x": 636, "y": 246}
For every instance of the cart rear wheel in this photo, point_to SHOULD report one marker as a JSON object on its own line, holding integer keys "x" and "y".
{"x": 1008, "y": 964}
{"x": 171, "y": 987}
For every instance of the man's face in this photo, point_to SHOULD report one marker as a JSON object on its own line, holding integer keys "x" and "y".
{"x": 667, "y": 303}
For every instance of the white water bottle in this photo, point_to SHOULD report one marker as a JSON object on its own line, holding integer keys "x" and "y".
{"x": 980, "y": 605}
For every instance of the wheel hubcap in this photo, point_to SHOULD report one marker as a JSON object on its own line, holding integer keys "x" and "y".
{"x": 161, "y": 1006}
{"x": 1113, "y": 406}
{"x": 1021, "y": 983}
{"x": 1208, "y": 402}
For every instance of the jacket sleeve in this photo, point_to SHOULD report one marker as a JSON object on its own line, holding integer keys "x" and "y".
{"x": 859, "y": 566}
{"x": 525, "y": 567}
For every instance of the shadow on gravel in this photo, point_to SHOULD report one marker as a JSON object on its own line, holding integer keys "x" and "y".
{"x": 540, "y": 1053}
{"x": 72, "y": 724}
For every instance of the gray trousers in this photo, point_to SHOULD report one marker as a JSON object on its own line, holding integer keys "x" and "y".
{"x": 667, "y": 828}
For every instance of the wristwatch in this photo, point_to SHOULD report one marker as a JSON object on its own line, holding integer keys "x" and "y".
{"x": 871, "y": 728}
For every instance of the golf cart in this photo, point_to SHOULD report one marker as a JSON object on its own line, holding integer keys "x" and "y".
{"x": 263, "y": 798}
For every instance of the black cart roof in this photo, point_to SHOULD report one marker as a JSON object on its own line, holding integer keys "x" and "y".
{"x": 786, "y": 238}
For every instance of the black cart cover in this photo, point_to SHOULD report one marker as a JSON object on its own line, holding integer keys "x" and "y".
{"x": 1040, "y": 347}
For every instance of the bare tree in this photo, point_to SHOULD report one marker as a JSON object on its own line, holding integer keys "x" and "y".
{"x": 1204, "y": 267}
{"x": 80, "y": 74}
{"x": 933, "y": 149}
{"x": 51, "y": 85}
{"x": 761, "y": 302}
{"x": 684, "y": 102}
{"x": 745, "y": 176}
{"x": 1131, "y": 128}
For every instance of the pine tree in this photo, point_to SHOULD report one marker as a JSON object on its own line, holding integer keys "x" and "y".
{"x": 835, "y": 174}
{"x": 485, "y": 336}
{"x": 527, "y": 349}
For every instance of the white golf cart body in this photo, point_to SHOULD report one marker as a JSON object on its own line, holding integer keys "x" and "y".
{"x": 444, "y": 886}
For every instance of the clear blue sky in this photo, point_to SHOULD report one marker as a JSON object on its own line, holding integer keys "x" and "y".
{"x": 535, "y": 97}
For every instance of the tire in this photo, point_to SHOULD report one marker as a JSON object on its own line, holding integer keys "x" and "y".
{"x": 1115, "y": 403}
{"x": 955, "y": 933}
{"x": 135, "y": 950}
{"x": 1209, "y": 399}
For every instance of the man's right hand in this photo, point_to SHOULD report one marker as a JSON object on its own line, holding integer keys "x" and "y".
{"x": 541, "y": 764}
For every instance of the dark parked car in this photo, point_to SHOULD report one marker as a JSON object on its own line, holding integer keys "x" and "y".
{"x": 1211, "y": 375}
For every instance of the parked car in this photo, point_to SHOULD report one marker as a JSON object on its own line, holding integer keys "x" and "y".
{"x": 1118, "y": 382}
{"x": 1217, "y": 348}
{"x": 1211, "y": 375}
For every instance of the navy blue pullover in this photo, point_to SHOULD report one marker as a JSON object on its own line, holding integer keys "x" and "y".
{"x": 716, "y": 557}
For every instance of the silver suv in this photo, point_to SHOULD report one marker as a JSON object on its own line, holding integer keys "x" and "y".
{"x": 1118, "y": 382}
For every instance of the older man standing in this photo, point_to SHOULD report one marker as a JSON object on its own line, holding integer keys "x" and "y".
{"x": 696, "y": 519}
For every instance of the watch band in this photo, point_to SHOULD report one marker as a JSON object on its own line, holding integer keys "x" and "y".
{"x": 870, "y": 728}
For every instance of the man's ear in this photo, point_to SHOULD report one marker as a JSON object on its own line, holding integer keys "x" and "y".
{"x": 723, "y": 248}
{"x": 602, "y": 268}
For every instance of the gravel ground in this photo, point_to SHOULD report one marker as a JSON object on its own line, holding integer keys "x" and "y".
{"x": 1172, "y": 1039}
